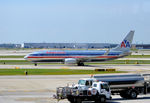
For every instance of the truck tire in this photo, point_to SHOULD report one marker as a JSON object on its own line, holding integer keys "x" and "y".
{"x": 133, "y": 94}
{"x": 78, "y": 100}
{"x": 124, "y": 95}
{"x": 101, "y": 99}
{"x": 75, "y": 100}
{"x": 71, "y": 99}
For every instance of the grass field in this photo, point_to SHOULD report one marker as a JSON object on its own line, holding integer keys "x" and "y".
{"x": 52, "y": 72}
{"x": 12, "y": 56}
{"x": 138, "y": 56}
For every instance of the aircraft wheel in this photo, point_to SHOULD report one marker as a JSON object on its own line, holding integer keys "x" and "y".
{"x": 80, "y": 64}
{"x": 35, "y": 64}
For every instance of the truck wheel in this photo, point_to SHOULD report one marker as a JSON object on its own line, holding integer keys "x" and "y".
{"x": 75, "y": 100}
{"x": 71, "y": 100}
{"x": 78, "y": 100}
{"x": 133, "y": 94}
{"x": 102, "y": 99}
{"x": 123, "y": 95}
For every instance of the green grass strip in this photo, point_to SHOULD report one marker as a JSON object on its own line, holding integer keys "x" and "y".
{"x": 138, "y": 56}
{"x": 52, "y": 72}
{"x": 12, "y": 56}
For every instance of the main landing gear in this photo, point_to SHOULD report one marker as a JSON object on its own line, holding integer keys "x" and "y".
{"x": 80, "y": 64}
{"x": 35, "y": 64}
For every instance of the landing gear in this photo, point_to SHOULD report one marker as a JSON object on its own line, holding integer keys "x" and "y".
{"x": 80, "y": 64}
{"x": 35, "y": 64}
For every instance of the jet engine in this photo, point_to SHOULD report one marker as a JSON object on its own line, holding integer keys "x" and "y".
{"x": 70, "y": 61}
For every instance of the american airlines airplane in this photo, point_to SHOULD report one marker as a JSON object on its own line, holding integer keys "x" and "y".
{"x": 80, "y": 56}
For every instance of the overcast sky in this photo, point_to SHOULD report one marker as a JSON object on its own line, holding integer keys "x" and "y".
{"x": 92, "y": 21}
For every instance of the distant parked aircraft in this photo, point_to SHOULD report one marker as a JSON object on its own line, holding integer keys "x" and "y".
{"x": 81, "y": 56}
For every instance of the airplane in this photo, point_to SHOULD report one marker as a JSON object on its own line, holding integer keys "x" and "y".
{"x": 79, "y": 57}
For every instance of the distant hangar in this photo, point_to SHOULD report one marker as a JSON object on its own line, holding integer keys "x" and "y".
{"x": 69, "y": 45}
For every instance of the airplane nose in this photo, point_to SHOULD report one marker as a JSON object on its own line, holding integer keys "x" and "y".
{"x": 26, "y": 57}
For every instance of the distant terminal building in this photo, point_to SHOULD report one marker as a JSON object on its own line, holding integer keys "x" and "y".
{"x": 142, "y": 46}
{"x": 69, "y": 45}
{"x": 10, "y": 45}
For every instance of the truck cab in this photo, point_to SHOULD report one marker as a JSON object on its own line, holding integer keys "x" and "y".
{"x": 84, "y": 83}
{"x": 99, "y": 87}
{"x": 102, "y": 89}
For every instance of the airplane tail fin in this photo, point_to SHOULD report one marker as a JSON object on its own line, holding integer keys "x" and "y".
{"x": 125, "y": 45}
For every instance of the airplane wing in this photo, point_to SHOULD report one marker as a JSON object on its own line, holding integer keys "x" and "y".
{"x": 90, "y": 57}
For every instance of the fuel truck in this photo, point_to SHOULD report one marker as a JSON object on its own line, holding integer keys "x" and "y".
{"x": 99, "y": 88}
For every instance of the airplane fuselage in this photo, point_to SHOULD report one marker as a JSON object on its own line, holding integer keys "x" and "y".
{"x": 61, "y": 55}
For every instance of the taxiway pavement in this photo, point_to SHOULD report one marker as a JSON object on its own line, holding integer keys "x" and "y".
{"x": 40, "y": 89}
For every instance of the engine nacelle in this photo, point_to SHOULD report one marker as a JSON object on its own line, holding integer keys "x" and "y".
{"x": 70, "y": 61}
